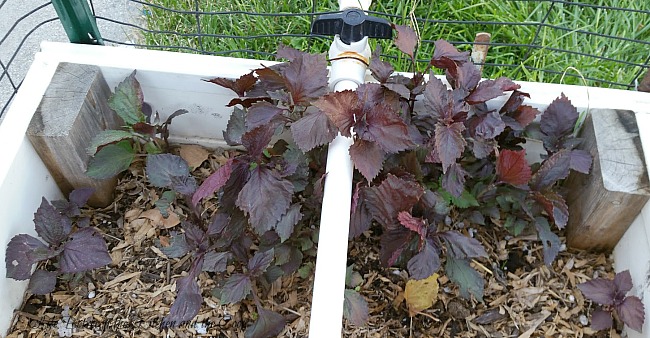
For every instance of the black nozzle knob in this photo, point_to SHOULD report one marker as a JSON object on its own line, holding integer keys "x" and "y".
{"x": 352, "y": 25}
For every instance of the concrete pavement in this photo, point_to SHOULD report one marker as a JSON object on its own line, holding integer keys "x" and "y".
{"x": 22, "y": 31}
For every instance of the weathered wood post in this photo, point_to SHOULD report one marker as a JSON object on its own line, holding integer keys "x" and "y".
{"x": 73, "y": 110}
{"x": 603, "y": 204}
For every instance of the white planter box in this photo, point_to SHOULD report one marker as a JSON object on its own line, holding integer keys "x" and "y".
{"x": 170, "y": 81}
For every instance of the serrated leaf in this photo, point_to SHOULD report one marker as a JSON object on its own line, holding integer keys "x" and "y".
{"x": 524, "y": 115}
{"x": 236, "y": 127}
{"x": 86, "y": 250}
{"x": 265, "y": 198}
{"x": 559, "y": 118}
{"x": 438, "y": 98}
{"x": 383, "y": 126}
{"x": 554, "y": 205}
{"x": 127, "y": 100}
{"x": 80, "y": 196}
{"x": 262, "y": 113}
{"x": 488, "y": 126}
{"x": 286, "y": 52}
{"x": 406, "y": 39}
{"x": 214, "y": 261}
{"x": 162, "y": 168}
{"x": 360, "y": 218}
{"x": 421, "y": 294}
{"x": 490, "y": 89}
{"x": 355, "y": 308}
{"x": 453, "y": 180}
{"x": 599, "y": 290}
{"x": 236, "y": 288}
{"x": 257, "y": 140}
{"x": 425, "y": 263}
{"x": 260, "y": 261}
{"x": 106, "y": 137}
{"x": 213, "y": 183}
{"x": 632, "y": 312}
{"x": 285, "y": 225}
{"x": 550, "y": 241}
{"x": 380, "y": 70}
{"x": 341, "y": 108}
{"x": 623, "y": 281}
{"x": 111, "y": 160}
{"x": 580, "y": 161}
{"x": 42, "y": 282}
{"x": 393, "y": 195}
{"x": 446, "y": 50}
{"x": 306, "y": 77}
{"x": 461, "y": 247}
{"x": 393, "y": 242}
{"x": 552, "y": 170}
{"x": 465, "y": 200}
{"x": 417, "y": 225}
{"x": 50, "y": 225}
{"x": 20, "y": 257}
{"x": 367, "y": 158}
{"x": 268, "y": 324}
{"x": 178, "y": 246}
{"x": 463, "y": 78}
{"x": 449, "y": 143}
{"x": 468, "y": 279}
{"x": 188, "y": 298}
{"x": 512, "y": 167}
{"x": 601, "y": 320}
{"x": 143, "y": 128}
{"x": 240, "y": 86}
{"x": 313, "y": 129}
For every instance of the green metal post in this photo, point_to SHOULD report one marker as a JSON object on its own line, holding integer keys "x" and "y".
{"x": 78, "y": 21}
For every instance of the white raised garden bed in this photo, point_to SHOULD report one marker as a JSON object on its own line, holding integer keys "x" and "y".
{"x": 171, "y": 81}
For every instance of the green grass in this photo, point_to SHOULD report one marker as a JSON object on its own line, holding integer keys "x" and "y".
{"x": 525, "y": 62}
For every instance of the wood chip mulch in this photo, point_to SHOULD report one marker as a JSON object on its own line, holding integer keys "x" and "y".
{"x": 523, "y": 297}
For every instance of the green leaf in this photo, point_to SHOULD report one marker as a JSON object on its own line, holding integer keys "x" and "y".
{"x": 106, "y": 137}
{"x": 468, "y": 279}
{"x": 352, "y": 278}
{"x": 165, "y": 201}
{"x": 111, "y": 160}
{"x": 464, "y": 201}
{"x": 127, "y": 100}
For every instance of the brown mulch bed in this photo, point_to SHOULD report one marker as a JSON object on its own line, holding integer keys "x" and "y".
{"x": 523, "y": 297}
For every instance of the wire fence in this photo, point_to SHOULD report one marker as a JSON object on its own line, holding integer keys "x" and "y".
{"x": 594, "y": 43}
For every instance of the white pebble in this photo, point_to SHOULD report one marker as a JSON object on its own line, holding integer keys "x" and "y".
{"x": 91, "y": 294}
{"x": 201, "y": 328}
{"x": 572, "y": 298}
{"x": 583, "y": 320}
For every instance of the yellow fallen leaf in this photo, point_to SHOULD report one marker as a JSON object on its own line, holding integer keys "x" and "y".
{"x": 421, "y": 294}
{"x": 194, "y": 155}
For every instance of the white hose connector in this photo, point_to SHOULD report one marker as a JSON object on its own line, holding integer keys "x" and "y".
{"x": 348, "y": 71}
{"x": 349, "y": 62}
{"x": 361, "y": 4}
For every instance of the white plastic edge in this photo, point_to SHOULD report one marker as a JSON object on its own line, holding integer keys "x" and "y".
{"x": 633, "y": 252}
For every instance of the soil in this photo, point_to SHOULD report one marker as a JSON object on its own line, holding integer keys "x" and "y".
{"x": 523, "y": 297}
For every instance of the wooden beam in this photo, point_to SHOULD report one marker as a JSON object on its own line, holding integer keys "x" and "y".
{"x": 72, "y": 111}
{"x": 480, "y": 49}
{"x": 603, "y": 204}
